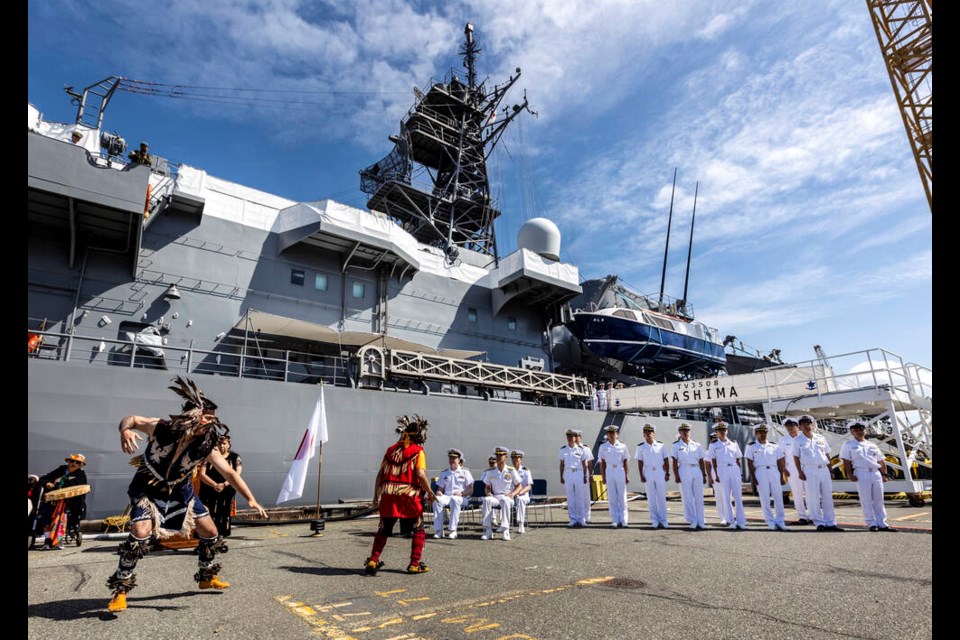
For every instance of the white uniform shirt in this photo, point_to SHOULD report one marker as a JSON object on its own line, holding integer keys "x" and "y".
{"x": 483, "y": 476}
{"x": 815, "y": 450}
{"x": 862, "y": 455}
{"x": 687, "y": 453}
{"x": 652, "y": 455}
{"x": 524, "y": 476}
{"x": 764, "y": 455}
{"x": 502, "y": 482}
{"x": 615, "y": 455}
{"x": 451, "y": 482}
{"x": 573, "y": 458}
{"x": 587, "y": 452}
{"x": 786, "y": 445}
{"x": 724, "y": 453}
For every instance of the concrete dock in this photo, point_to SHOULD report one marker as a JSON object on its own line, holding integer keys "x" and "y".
{"x": 551, "y": 583}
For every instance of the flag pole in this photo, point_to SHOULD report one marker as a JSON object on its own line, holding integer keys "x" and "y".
{"x": 319, "y": 467}
{"x": 318, "y": 523}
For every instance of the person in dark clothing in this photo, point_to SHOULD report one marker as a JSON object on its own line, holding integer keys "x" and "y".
{"x": 141, "y": 155}
{"x": 66, "y": 475}
{"x": 216, "y": 492}
{"x": 162, "y": 499}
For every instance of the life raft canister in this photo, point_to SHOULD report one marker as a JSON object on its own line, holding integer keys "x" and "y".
{"x": 33, "y": 342}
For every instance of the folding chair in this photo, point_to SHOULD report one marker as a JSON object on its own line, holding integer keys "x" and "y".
{"x": 538, "y": 508}
{"x": 471, "y": 508}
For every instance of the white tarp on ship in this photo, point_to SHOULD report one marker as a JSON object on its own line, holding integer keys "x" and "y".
{"x": 90, "y": 138}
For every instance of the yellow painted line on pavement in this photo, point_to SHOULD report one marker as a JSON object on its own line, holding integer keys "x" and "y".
{"x": 913, "y": 515}
{"x": 382, "y": 625}
{"x": 328, "y": 607}
{"x": 595, "y": 580}
{"x": 342, "y": 617}
{"x": 307, "y": 614}
{"x": 471, "y": 623}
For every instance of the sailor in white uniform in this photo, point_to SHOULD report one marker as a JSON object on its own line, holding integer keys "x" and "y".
{"x": 586, "y": 507}
{"x": 453, "y": 488}
{"x": 491, "y": 464}
{"x": 573, "y": 476}
{"x": 811, "y": 452}
{"x": 797, "y": 488}
{"x": 615, "y": 470}
{"x": 654, "y": 470}
{"x": 502, "y": 486}
{"x": 688, "y": 468}
{"x": 863, "y": 463}
{"x": 601, "y": 397}
{"x": 526, "y": 484}
{"x": 766, "y": 463}
{"x": 594, "y": 403}
{"x": 724, "y": 456}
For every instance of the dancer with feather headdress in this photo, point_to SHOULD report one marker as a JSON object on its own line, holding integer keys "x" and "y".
{"x": 162, "y": 499}
{"x": 397, "y": 490}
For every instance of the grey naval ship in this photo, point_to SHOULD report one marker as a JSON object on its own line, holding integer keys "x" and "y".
{"x": 138, "y": 273}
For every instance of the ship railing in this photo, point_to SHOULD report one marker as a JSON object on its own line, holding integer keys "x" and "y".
{"x": 378, "y": 364}
{"x": 867, "y": 369}
{"x": 224, "y": 359}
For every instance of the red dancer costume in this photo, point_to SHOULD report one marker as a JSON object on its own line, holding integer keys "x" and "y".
{"x": 398, "y": 487}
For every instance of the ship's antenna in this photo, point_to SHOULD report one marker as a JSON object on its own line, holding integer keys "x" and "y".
{"x": 469, "y": 52}
{"x": 686, "y": 278}
{"x": 663, "y": 278}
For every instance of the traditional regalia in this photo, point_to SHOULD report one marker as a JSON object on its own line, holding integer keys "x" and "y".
{"x": 162, "y": 489}
{"x": 399, "y": 490}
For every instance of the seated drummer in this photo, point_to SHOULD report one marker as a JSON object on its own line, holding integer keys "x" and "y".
{"x": 66, "y": 475}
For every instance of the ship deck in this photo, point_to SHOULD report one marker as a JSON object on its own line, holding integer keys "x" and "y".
{"x": 550, "y": 583}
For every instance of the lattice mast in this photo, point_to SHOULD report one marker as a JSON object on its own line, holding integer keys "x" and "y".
{"x": 905, "y": 33}
{"x": 450, "y": 132}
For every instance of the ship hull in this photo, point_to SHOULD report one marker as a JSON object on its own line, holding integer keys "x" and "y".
{"x": 74, "y": 407}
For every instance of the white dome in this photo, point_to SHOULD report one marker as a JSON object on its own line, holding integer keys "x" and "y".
{"x": 540, "y": 236}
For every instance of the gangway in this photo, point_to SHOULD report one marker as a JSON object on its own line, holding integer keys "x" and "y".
{"x": 894, "y": 399}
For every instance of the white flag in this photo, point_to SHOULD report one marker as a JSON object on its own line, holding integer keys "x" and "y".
{"x": 315, "y": 433}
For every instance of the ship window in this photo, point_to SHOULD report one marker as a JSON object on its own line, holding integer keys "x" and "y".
{"x": 512, "y": 324}
{"x": 320, "y": 282}
{"x": 358, "y": 288}
{"x": 297, "y": 276}
{"x": 472, "y": 315}
{"x": 622, "y": 313}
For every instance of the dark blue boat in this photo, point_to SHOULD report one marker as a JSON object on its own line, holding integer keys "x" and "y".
{"x": 613, "y": 322}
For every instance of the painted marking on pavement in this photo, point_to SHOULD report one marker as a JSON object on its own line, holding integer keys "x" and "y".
{"x": 469, "y": 622}
{"x": 913, "y": 515}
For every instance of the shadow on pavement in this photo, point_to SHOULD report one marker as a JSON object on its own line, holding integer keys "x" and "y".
{"x": 87, "y": 608}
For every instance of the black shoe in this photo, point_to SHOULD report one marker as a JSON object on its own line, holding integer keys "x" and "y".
{"x": 821, "y": 527}
{"x": 834, "y": 527}
{"x": 890, "y": 529}
{"x": 874, "y": 528}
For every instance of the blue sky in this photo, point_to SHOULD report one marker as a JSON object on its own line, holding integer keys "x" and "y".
{"x": 811, "y": 222}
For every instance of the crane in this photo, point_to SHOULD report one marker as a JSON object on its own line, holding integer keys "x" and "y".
{"x": 905, "y": 33}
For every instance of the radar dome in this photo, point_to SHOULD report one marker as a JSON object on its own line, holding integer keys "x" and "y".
{"x": 540, "y": 236}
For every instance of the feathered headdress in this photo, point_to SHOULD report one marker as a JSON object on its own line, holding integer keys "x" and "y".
{"x": 412, "y": 429}
{"x": 195, "y": 405}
